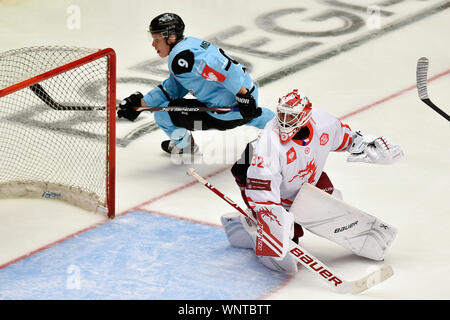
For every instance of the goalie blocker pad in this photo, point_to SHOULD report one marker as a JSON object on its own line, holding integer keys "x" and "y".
{"x": 333, "y": 219}
{"x": 274, "y": 231}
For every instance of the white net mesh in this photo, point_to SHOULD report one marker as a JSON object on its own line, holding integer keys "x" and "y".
{"x": 53, "y": 140}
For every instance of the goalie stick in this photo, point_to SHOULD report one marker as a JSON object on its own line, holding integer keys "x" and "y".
{"x": 421, "y": 74}
{"x": 42, "y": 94}
{"x": 308, "y": 260}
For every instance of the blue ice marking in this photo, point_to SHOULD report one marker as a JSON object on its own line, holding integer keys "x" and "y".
{"x": 141, "y": 256}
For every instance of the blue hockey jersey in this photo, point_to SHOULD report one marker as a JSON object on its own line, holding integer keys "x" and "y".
{"x": 204, "y": 70}
{"x": 211, "y": 76}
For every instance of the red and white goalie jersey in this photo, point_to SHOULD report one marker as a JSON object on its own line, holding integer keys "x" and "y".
{"x": 279, "y": 169}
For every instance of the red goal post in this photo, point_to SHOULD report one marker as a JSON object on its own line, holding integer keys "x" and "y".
{"x": 57, "y": 125}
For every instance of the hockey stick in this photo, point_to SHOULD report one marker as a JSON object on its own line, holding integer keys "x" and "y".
{"x": 40, "y": 92}
{"x": 186, "y": 109}
{"x": 421, "y": 73}
{"x": 308, "y": 260}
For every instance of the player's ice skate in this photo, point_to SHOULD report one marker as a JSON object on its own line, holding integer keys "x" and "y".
{"x": 171, "y": 147}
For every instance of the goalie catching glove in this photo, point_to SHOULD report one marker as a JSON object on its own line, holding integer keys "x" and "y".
{"x": 127, "y": 106}
{"x": 373, "y": 149}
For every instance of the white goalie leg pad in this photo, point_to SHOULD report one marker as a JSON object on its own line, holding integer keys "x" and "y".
{"x": 239, "y": 229}
{"x": 337, "y": 194}
{"x": 375, "y": 241}
{"x": 333, "y": 219}
{"x": 275, "y": 230}
{"x": 287, "y": 265}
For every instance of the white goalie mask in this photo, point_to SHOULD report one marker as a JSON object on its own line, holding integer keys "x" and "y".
{"x": 293, "y": 112}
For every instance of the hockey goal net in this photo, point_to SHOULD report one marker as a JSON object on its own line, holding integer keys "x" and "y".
{"x": 57, "y": 125}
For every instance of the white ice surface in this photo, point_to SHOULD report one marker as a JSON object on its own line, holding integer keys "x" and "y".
{"x": 412, "y": 194}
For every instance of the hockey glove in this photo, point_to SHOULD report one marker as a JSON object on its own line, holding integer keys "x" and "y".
{"x": 247, "y": 105}
{"x": 126, "y": 107}
{"x": 373, "y": 149}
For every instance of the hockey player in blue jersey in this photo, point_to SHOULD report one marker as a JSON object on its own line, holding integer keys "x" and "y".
{"x": 209, "y": 74}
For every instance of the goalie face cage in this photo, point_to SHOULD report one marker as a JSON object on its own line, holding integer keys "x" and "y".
{"x": 57, "y": 125}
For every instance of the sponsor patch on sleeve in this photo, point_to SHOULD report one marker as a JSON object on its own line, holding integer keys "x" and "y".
{"x": 291, "y": 155}
{"x": 324, "y": 139}
{"x": 212, "y": 75}
{"x": 258, "y": 184}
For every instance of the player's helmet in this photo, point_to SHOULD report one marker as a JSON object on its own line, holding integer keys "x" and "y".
{"x": 293, "y": 112}
{"x": 167, "y": 24}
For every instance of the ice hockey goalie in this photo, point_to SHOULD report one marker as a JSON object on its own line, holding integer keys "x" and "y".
{"x": 289, "y": 154}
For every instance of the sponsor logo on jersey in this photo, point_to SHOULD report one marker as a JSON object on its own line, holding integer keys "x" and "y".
{"x": 291, "y": 155}
{"x": 212, "y": 75}
{"x": 257, "y": 184}
{"x": 324, "y": 139}
{"x": 310, "y": 170}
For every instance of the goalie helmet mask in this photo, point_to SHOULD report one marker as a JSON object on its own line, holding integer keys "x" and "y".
{"x": 293, "y": 112}
{"x": 167, "y": 24}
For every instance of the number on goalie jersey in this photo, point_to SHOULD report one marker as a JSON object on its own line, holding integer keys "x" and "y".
{"x": 292, "y": 150}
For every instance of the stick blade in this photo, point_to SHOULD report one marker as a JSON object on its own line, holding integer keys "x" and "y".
{"x": 190, "y": 171}
{"x": 422, "y": 74}
{"x": 372, "y": 279}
